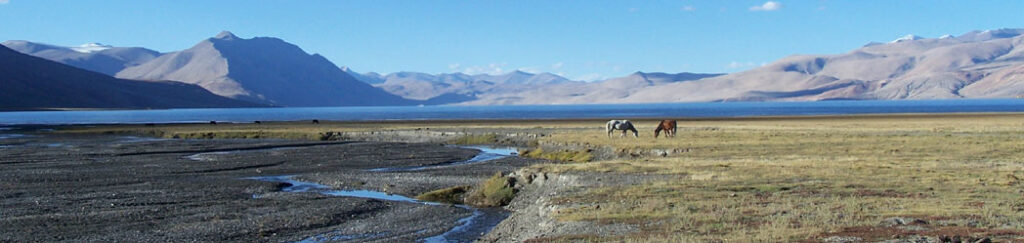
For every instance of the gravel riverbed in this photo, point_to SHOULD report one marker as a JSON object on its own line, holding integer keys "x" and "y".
{"x": 61, "y": 187}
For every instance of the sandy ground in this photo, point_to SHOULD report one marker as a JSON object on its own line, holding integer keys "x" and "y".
{"x": 117, "y": 188}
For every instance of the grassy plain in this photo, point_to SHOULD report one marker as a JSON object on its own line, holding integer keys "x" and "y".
{"x": 761, "y": 179}
{"x": 795, "y": 179}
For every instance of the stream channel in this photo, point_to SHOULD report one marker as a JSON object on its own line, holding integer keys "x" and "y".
{"x": 467, "y": 229}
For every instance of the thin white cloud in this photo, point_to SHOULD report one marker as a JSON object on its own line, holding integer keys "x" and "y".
{"x": 557, "y": 65}
{"x": 739, "y": 65}
{"x": 454, "y": 66}
{"x": 590, "y": 77}
{"x": 532, "y": 70}
{"x": 689, "y": 8}
{"x": 767, "y": 6}
{"x": 492, "y": 69}
{"x": 4, "y": 1}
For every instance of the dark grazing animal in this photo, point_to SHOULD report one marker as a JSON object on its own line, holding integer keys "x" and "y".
{"x": 669, "y": 126}
{"x": 622, "y": 125}
{"x": 315, "y": 121}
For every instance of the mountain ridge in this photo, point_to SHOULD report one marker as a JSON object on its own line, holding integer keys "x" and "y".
{"x": 90, "y": 56}
{"x": 262, "y": 69}
{"x": 929, "y": 68}
{"x": 34, "y": 83}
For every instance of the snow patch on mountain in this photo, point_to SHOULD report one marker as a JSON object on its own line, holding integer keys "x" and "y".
{"x": 91, "y": 47}
{"x": 906, "y": 38}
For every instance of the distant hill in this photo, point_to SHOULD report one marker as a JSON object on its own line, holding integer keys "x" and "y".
{"x": 978, "y": 64}
{"x": 370, "y": 77}
{"x": 605, "y": 91}
{"x": 457, "y": 87}
{"x": 33, "y": 83}
{"x": 265, "y": 70}
{"x": 92, "y": 56}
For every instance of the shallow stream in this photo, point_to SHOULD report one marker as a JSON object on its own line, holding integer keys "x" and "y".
{"x": 467, "y": 229}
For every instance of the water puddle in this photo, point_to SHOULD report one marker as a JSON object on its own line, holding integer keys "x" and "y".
{"x": 212, "y": 156}
{"x": 301, "y": 186}
{"x": 486, "y": 154}
{"x": 206, "y": 156}
{"x": 337, "y": 236}
{"x": 12, "y": 136}
{"x": 134, "y": 139}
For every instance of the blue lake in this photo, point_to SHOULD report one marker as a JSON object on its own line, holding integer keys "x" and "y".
{"x": 666, "y": 110}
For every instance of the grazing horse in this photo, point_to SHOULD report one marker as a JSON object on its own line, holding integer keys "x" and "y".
{"x": 669, "y": 126}
{"x": 621, "y": 125}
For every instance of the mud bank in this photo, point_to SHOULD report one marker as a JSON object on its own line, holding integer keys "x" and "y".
{"x": 535, "y": 210}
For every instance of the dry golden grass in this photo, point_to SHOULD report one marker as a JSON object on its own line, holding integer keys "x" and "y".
{"x": 787, "y": 180}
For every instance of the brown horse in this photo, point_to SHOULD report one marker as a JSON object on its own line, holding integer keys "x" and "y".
{"x": 669, "y": 126}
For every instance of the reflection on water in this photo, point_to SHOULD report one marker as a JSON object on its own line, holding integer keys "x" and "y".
{"x": 206, "y": 156}
{"x": 12, "y": 136}
{"x": 301, "y": 186}
{"x": 211, "y": 156}
{"x": 135, "y": 139}
{"x": 337, "y": 236}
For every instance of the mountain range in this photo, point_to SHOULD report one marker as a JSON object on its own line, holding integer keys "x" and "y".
{"x": 270, "y": 71}
{"x": 33, "y": 83}
{"x": 977, "y": 64}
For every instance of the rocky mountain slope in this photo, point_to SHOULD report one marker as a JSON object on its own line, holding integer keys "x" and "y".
{"x": 265, "y": 70}
{"x": 32, "y": 83}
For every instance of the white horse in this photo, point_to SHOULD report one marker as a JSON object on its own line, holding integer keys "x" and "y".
{"x": 622, "y": 125}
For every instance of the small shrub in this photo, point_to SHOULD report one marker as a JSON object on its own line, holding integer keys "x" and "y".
{"x": 493, "y": 192}
{"x": 451, "y": 195}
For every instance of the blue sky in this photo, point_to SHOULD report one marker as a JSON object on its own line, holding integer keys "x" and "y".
{"x": 587, "y": 40}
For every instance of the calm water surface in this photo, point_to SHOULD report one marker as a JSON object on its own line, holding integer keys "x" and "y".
{"x": 675, "y": 110}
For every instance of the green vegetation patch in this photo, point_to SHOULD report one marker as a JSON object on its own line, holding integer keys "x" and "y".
{"x": 494, "y": 192}
{"x": 451, "y": 195}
